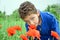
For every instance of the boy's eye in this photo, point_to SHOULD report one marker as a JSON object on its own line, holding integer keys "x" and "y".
{"x": 32, "y": 18}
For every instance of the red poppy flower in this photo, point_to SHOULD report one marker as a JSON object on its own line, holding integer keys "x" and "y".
{"x": 11, "y": 31}
{"x": 54, "y": 34}
{"x": 33, "y": 33}
{"x": 17, "y": 28}
{"x": 36, "y": 34}
{"x": 32, "y": 26}
{"x": 30, "y": 33}
{"x": 23, "y": 37}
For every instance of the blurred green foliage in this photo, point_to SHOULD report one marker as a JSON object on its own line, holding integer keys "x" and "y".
{"x": 54, "y": 9}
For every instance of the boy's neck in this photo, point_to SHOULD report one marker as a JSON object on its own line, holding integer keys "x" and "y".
{"x": 40, "y": 20}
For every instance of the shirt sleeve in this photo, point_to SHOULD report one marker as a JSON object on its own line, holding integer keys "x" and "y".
{"x": 55, "y": 25}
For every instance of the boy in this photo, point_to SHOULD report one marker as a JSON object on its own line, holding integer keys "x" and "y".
{"x": 44, "y": 21}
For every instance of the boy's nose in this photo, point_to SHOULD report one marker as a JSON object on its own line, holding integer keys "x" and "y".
{"x": 31, "y": 22}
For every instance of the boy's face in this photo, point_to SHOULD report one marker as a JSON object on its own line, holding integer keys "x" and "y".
{"x": 32, "y": 19}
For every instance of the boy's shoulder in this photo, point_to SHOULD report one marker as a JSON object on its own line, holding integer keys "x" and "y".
{"x": 47, "y": 15}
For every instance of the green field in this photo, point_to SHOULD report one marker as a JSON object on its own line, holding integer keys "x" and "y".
{"x": 8, "y": 23}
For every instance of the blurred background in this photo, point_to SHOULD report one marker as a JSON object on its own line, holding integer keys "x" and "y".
{"x": 9, "y": 14}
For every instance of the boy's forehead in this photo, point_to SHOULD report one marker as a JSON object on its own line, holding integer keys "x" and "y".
{"x": 28, "y": 17}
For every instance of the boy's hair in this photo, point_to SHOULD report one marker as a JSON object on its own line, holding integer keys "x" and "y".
{"x": 26, "y": 8}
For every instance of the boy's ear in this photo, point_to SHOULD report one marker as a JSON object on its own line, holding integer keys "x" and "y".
{"x": 38, "y": 13}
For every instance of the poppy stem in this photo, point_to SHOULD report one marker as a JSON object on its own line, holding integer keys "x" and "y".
{"x": 31, "y": 38}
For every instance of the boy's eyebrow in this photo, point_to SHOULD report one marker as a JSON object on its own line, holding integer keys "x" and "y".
{"x": 32, "y": 17}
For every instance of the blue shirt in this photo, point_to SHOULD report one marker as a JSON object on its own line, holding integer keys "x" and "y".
{"x": 49, "y": 23}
